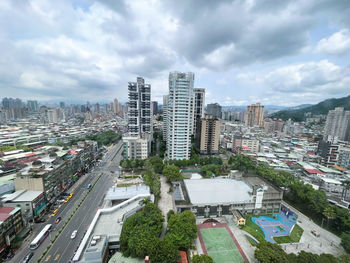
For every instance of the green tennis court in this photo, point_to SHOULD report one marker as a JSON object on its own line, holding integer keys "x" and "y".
{"x": 220, "y": 245}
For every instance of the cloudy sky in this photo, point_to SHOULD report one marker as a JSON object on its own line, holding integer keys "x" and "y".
{"x": 276, "y": 52}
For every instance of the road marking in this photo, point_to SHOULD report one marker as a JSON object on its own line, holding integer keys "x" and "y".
{"x": 57, "y": 257}
{"x": 47, "y": 258}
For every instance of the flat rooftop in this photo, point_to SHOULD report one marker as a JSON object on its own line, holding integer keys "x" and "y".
{"x": 217, "y": 191}
{"x": 22, "y": 196}
{"x": 119, "y": 193}
{"x": 112, "y": 223}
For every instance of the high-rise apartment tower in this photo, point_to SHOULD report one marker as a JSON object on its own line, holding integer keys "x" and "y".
{"x": 199, "y": 102}
{"x": 139, "y": 108}
{"x": 255, "y": 115}
{"x": 179, "y": 115}
{"x": 210, "y": 134}
{"x": 337, "y": 125}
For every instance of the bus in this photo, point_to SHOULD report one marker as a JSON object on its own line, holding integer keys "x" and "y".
{"x": 40, "y": 237}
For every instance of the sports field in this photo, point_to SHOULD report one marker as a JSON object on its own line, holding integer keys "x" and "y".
{"x": 220, "y": 246}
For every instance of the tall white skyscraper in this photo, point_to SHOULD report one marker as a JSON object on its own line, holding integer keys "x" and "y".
{"x": 337, "y": 126}
{"x": 179, "y": 115}
{"x": 139, "y": 108}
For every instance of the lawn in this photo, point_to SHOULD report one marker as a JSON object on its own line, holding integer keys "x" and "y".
{"x": 294, "y": 236}
{"x": 253, "y": 229}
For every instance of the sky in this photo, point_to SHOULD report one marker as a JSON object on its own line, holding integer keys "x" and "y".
{"x": 275, "y": 52}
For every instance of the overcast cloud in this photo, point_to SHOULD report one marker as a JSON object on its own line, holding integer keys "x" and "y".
{"x": 272, "y": 51}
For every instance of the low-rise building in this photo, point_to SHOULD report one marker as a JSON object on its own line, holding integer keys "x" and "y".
{"x": 11, "y": 224}
{"x": 105, "y": 229}
{"x": 32, "y": 203}
{"x": 221, "y": 196}
{"x": 135, "y": 148}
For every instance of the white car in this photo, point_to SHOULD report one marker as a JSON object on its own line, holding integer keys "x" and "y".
{"x": 74, "y": 234}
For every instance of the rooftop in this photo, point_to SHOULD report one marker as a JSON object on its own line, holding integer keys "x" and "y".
{"x": 119, "y": 193}
{"x": 22, "y": 196}
{"x": 213, "y": 191}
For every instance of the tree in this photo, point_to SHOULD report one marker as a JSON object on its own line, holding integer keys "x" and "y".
{"x": 164, "y": 251}
{"x": 241, "y": 162}
{"x": 140, "y": 231}
{"x": 202, "y": 259}
{"x": 172, "y": 173}
{"x": 170, "y": 213}
{"x": 345, "y": 241}
{"x": 267, "y": 252}
{"x": 308, "y": 257}
{"x": 182, "y": 229}
{"x": 328, "y": 258}
{"x": 329, "y": 213}
{"x": 157, "y": 164}
{"x": 346, "y": 186}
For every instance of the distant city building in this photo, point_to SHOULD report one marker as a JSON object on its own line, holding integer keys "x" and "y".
{"x": 117, "y": 108}
{"x": 329, "y": 152}
{"x": 62, "y": 105}
{"x": 245, "y": 144}
{"x": 272, "y": 125}
{"x": 255, "y": 115}
{"x": 52, "y": 116}
{"x": 214, "y": 109}
{"x": 210, "y": 134}
{"x": 135, "y": 148}
{"x": 33, "y": 105}
{"x": 199, "y": 102}
{"x": 155, "y": 107}
{"x": 165, "y": 107}
{"x": 11, "y": 103}
{"x": 344, "y": 157}
{"x": 337, "y": 125}
{"x": 139, "y": 108}
{"x": 179, "y": 120}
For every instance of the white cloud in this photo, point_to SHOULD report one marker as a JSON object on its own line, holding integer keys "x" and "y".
{"x": 303, "y": 82}
{"x": 336, "y": 44}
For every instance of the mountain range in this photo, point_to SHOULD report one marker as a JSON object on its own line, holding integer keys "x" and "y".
{"x": 298, "y": 113}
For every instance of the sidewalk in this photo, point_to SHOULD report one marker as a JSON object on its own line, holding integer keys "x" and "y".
{"x": 166, "y": 201}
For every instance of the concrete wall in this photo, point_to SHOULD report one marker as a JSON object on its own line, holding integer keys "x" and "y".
{"x": 27, "y": 183}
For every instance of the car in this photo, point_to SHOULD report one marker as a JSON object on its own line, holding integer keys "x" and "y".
{"x": 28, "y": 257}
{"x": 54, "y": 212}
{"x": 10, "y": 255}
{"x": 89, "y": 186}
{"x": 314, "y": 232}
{"x": 74, "y": 234}
{"x": 58, "y": 219}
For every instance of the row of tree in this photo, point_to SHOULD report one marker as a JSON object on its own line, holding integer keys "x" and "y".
{"x": 195, "y": 160}
{"x": 151, "y": 175}
{"x": 140, "y": 234}
{"x": 303, "y": 196}
{"x": 272, "y": 253}
{"x": 17, "y": 147}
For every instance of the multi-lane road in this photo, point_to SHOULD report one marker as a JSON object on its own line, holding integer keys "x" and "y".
{"x": 63, "y": 249}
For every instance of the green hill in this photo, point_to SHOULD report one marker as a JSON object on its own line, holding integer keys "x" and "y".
{"x": 320, "y": 108}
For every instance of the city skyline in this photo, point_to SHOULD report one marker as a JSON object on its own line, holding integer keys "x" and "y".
{"x": 87, "y": 50}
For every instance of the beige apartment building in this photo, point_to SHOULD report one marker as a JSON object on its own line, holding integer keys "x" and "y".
{"x": 254, "y": 115}
{"x": 210, "y": 134}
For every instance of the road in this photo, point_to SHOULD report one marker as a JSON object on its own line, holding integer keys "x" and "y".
{"x": 63, "y": 248}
